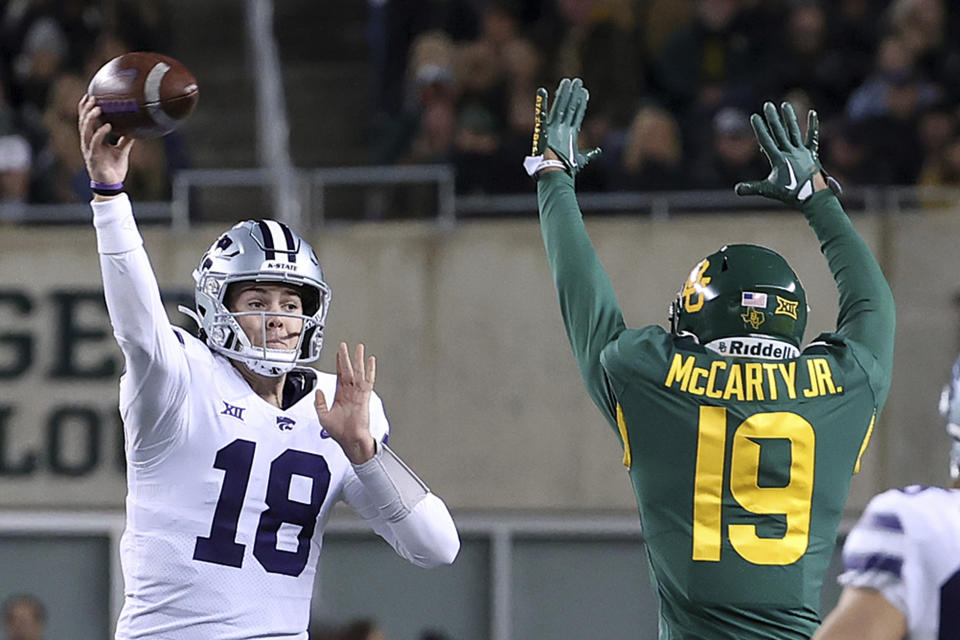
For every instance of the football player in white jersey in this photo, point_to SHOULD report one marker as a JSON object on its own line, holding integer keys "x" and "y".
{"x": 235, "y": 452}
{"x": 902, "y": 560}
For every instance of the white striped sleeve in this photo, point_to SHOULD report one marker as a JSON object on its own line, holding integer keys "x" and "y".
{"x": 876, "y": 550}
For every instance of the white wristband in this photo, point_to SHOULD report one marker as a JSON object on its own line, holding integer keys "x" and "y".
{"x": 533, "y": 164}
{"x": 395, "y": 489}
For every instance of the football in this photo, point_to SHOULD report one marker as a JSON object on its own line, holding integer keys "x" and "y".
{"x": 144, "y": 94}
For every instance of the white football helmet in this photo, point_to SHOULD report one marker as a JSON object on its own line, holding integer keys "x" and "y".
{"x": 950, "y": 409}
{"x": 260, "y": 251}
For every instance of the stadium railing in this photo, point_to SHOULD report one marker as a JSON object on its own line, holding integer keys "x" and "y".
{"x": 501, "y": 533}
{"x": 380, "y": 192}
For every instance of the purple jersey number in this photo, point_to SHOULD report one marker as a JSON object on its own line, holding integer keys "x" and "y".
{"x": 236, "y": 459}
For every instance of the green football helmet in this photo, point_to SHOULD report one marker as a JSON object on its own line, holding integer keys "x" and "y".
{"x": 741, "y": 290}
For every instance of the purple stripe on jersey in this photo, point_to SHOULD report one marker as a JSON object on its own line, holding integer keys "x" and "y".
{"x": 886, "y": 522}
{"x": 874, "y": 562}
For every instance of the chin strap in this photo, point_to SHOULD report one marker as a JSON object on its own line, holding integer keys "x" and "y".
{"x": 190, "y": 313}
{"x": 395, "y": 489}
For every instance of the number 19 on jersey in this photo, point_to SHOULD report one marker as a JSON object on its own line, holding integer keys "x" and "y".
{"x": 793, "y": 500}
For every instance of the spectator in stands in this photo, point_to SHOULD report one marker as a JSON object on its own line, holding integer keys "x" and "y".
{"x": 428, "y": 103}
{"x": 896, "y": 150}
{"x": 715, "y": 54}
{"x": 805, "y": 62}
{"x": 12, "y": 123}
{"x": 922, "y": 26}
{"x": 937, "y": 127}
{"x": 434, "y": 126}
{"x": 943, "y": 169}
{"x": 59, "y": 175}
{"x": 38, "y": 62}
{"x": 15, "y": 163}
{"x": 733, "y": 153}
{"x": 480, "y": 79}
{"x": 24, "y": 618}
{"x": 845, "y": 149}
{"x": 893, "y": 65}
{"x": 652, "y": 155}
{"x": 107, "y": 47}
{"x": 477, "y": 158}
{"x": 599, "y": 41}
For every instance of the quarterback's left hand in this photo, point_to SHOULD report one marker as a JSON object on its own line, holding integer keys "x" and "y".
{"x": 795, "y": 171}
{"x": 348, "y": 418}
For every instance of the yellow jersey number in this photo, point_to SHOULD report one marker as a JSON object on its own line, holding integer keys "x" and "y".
{"x": 792, "y": 500}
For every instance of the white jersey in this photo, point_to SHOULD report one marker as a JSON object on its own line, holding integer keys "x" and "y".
{"x": 227, "y": 495}
{"x": 907, "y": 546}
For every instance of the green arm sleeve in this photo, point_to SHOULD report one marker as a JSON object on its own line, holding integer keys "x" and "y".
{"x": 589, "y": 306}
{"x": 867, "y": 313}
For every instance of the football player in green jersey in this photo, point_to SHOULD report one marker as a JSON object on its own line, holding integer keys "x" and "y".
{"x": 739, "y": 441}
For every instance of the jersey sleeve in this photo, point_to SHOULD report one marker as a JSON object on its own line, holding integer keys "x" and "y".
{"x": 427, "y": 535}
{"x": 867, "y": 314}
{"x": 877, "y": 549}
{"x": 591, "y": 313}
{"x": 153, "y": 388}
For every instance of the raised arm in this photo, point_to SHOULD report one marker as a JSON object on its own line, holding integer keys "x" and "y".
{"x": 154, "y": 385}
{"x": 591, "y": 313}
{"x": 867, "y": 311}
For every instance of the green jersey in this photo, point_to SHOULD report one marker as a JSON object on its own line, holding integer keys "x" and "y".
{"x": 740, "y": 464}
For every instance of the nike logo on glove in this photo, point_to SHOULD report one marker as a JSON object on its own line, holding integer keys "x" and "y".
{"x": 573, "y": 154}
{"x": 793, "y": 177}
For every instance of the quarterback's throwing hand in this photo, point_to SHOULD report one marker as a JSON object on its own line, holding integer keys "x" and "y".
{"x": 106, "y": 163}
{"x": 795, "y": 171}
{"x": 348, "y": 418}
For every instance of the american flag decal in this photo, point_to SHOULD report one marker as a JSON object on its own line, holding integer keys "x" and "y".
{"x": 753, "y": 299}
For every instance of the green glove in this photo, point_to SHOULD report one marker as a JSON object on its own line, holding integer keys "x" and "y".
{"x": 793, "y": 163}
{"x": 561, "y": 128}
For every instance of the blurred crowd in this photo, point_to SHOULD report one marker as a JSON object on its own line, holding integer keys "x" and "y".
{"x": 49, "y": 49}
{"x": 672, "y": 85}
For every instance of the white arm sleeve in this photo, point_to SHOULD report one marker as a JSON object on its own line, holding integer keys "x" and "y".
{"x": 153, "y": 388}
{"x": 425, "y": 535}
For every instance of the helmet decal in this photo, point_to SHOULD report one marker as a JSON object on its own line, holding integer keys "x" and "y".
{"x": 693, "y": 288}
{"x": 786, "y": 307}
{"x": 753, "y": 299}
{"x": 753, "y": 319}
